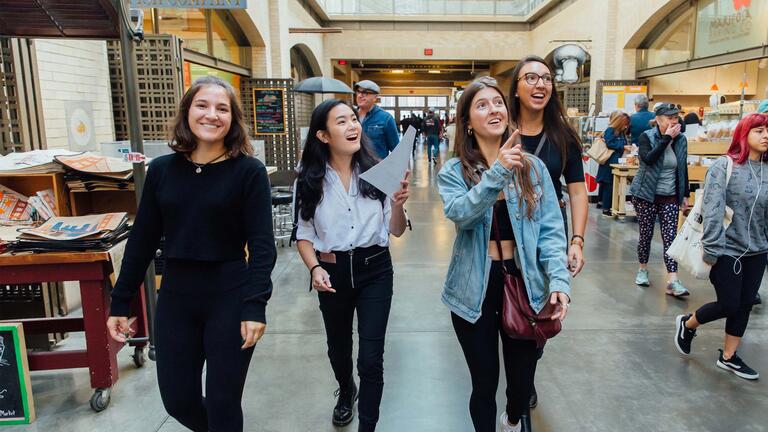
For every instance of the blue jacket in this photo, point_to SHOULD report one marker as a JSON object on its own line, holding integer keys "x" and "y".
{"x": 541, "y": 244}
{"x": 639, "y": 122}
{"x": 615, "y": 143}
{"x": 651, "y": 155}
{"x": 380, "y": 128}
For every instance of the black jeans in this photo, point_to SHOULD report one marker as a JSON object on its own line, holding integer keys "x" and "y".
{"x": 198, "y": 321}
{"x": 480, "y": 343}
{"x": 606, "y": 194}
{"x": 735, "y": 292}
{"x": 363, "y": 282}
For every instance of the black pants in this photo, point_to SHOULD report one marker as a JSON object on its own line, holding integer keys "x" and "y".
{"x": 735, "y": 292}
{"x": 198, "y": 321}
{"x": 606, "y": 193}
{"x": 363, "y": 282}
{"x": 480, "y": 343}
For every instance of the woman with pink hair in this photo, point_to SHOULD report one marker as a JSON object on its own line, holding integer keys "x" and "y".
{"x": 737, "y": 254}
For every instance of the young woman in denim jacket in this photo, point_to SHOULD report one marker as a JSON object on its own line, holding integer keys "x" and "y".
{"x": 493, "y": 180}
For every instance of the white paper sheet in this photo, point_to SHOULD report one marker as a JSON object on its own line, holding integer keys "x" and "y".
{"x": 387, "y": 174}
{"x": 691, "y": 131}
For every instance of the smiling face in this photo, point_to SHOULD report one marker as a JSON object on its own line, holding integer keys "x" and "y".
{"x": 342, "y": 131}
{"x": 365, "y": 99}
{"x": 534, "y": 96}
{"x": 758, "y": 139}
{"x": 210, "y": 115}
{"x": 488, "y": 117}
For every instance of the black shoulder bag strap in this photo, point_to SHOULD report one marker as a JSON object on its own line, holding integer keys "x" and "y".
{"x": 541, "y": 144}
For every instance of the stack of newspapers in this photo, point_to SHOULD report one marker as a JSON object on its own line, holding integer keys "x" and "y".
{"x": 78, "y": 233}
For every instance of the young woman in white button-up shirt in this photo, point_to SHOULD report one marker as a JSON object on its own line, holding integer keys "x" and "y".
{"x": 343, "y": 232}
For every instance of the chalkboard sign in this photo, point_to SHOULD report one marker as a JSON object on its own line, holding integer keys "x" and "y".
{"x": 269, "y": 113}
{"x": 16, "y": 404}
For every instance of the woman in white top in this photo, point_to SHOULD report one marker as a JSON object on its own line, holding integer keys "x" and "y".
{"x": 343, "y": 237}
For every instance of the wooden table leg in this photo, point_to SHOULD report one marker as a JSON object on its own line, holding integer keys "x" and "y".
{"x": 102, "y": 353}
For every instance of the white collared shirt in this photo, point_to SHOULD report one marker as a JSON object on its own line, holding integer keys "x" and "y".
{"x": 345, "y": 220}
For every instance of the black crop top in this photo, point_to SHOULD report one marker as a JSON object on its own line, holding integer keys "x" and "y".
{"x": 209, "y": 216}
{"x": 501, "y": 217}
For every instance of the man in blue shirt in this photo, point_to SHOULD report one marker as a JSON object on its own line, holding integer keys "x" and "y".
{"x": 640, "y": 121}
{"x": 378, "y": 125}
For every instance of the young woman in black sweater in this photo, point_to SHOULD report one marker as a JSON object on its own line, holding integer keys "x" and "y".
{"x": 343, "y": 232}
{"x": 209, "y": 199}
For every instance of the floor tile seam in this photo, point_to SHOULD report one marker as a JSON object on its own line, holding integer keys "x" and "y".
{"x": 162, "y": 423}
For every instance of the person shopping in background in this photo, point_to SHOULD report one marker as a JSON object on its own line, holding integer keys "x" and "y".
{"x": 737, "y": 254}
{"x": 379, "y": 126}
{"x": 343, "y": 232}
{"x": 640, "y": 121}
{"x": 432, "y": 131}
{"x": 615, "y": 137}
{"x": 493, "y": 183}
{"x": 536, "y": 110}
{"x": 658, "y": 190}
{"x": 211, "y": 308}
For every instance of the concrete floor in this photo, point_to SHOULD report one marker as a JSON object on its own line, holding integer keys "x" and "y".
{"x": 613, "y": 368}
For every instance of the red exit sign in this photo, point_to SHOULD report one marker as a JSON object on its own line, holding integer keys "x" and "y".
{"x": 428, "y": 51}
{"x": 342, "y": 62}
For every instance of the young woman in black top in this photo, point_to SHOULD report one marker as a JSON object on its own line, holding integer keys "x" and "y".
{"x": 343, "y": 233}
{"x": 537, "y": 112}
{"x": 209, "y": 199}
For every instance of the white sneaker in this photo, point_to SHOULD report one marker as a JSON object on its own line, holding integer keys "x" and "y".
{"x": 506, "y": 427}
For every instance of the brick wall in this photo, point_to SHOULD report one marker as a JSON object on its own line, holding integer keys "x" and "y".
{"x": 71, "y": 70}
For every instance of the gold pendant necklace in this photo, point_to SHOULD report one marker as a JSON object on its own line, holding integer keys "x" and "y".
{"x": 199, "y": 168}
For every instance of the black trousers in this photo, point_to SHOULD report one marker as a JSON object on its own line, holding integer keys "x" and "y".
{"x": 480, "y": 343}
{"x": 363, "y": 282}
{"x": 197, "y": 322}
{"x": 735, "y": 292}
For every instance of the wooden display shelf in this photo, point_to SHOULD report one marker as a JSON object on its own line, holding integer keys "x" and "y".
{"x": 96, "y": 202}
{"x": 708, "y": 148}
{"x": 30, "y": 184}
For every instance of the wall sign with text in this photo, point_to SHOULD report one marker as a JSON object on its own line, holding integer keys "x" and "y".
{"x": 269, "y": 111}
{"x": 190, "y": 4}
{"x": 16, "y": 404}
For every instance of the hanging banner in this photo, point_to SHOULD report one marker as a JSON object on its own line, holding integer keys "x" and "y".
{"x": 190, "y": 4}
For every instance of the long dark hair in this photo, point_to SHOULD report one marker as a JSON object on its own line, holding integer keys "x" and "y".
{"x": 315, "y": 157}
{"x": 473, "y": 161}
{"x": 182, "y": 140}
{"x": 559, "y": 131}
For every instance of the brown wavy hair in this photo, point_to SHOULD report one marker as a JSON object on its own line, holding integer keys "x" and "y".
{"x": 236, "y": 141}
{"x": 559, "y": 131}
{"x": 472, "y": 161}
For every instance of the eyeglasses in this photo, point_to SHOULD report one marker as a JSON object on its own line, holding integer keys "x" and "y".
{"x": 532, "y": 78}
{"x": 364, "y": 92}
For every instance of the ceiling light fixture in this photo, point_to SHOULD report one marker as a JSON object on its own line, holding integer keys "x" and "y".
{"x": 434, "y": 71}
{"x": 397, "y": 71}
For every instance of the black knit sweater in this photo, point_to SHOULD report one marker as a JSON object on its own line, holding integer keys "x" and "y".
{"x": 208, "y": 216}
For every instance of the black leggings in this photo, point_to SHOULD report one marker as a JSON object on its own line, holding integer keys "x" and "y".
{"x": 480, "y": 343}
{"x": 365, "y": 285}
{"x": 198, "y": 321}
{"x": 735, "y": 292}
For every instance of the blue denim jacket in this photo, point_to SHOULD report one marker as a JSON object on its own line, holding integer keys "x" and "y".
{"x": 380, "y": 128}
{"x": 541, "y": 244}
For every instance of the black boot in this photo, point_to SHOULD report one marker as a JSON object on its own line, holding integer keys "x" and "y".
{"x": 343, "y": 411}
{"x": 525, "y": 422}
{"x": 758, "y": 300}
{"x": 534, "y": 400}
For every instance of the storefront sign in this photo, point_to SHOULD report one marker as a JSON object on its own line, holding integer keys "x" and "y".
{"x": 724, "y": 26}
{"x": 190, "y": 4}
{"x": 269, "y": 111}
{"x": 16, "y": 404}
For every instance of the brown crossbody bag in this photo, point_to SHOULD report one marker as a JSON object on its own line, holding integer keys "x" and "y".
{"x": 518, "y": 319}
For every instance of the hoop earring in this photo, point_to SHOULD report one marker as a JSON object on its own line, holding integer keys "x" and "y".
{"x": 470, "y": 132}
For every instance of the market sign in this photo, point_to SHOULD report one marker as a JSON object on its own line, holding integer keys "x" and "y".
{"x": 190, "y": 4}
{"x": 724, "y": 26}
{"x": 16, "y": 403}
